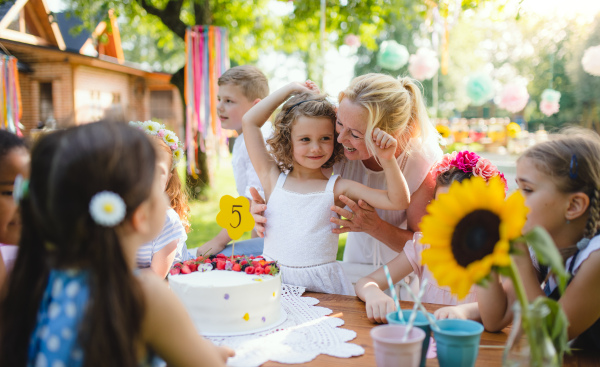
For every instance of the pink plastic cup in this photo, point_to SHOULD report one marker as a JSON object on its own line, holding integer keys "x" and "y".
{"x": 391, "y": 351}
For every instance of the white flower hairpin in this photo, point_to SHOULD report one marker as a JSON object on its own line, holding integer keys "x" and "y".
{"x": 168, "y": 136}
{"x": 107, "y": 208}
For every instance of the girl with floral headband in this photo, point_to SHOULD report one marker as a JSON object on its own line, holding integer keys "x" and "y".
{"x": 169, "y": 247}
{"x": 75, "y": 297}
{"x": 452, "y": 167}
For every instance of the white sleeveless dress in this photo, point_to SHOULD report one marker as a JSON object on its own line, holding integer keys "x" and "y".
{"x": 415, "y": 163}
{"x": 299, "y": 238}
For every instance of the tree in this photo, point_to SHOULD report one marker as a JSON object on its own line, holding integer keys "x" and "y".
{"x": 146, "y": 24}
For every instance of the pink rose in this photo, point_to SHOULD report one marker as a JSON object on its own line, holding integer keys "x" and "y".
{"x": 444, "y": 164}
{"x": 174, "y": 146}
{"x": 466, "y": 160}
{"x": 161, "y": 133}
{"x": 484, "y": 168}
{"x": 503, "y": 180}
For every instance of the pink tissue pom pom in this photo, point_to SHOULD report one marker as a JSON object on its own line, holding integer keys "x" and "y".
{"x": 424, "y": 64}
{"x": 161, "y": 133}
{"x": 174, "y": 146}
{"x": 352, "y": 40}
{"x": 591, "y": 60}
{"x": 514, "y": 98}
{"x": 549, "y": 108}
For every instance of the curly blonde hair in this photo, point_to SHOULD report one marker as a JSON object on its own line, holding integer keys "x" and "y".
{"x": 310, "y": 105}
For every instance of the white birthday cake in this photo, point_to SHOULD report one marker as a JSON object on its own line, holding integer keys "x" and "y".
{"x": 226, "y": 298}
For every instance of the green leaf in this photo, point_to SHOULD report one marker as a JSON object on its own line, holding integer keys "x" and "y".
{"x": 555, "y": 323}
{"x": 547, "y": 254}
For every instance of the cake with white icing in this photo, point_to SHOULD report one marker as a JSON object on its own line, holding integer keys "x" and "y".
{"x": 229, "y": 302}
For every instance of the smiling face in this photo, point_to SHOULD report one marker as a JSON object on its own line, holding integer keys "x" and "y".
{"x": 351, "y": 125}
{"x": 547, "y": 204}
{"x": 232, "y": 106}
{"x": 12, "y": 164}
{"x": 312, "y": 140}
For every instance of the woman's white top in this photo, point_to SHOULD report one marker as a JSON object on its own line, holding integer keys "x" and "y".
{"x": 299, "y": 238}
{"x": 415, "y": 163}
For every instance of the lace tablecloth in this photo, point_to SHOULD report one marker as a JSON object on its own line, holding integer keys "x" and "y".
{"x": 305, "y": 334}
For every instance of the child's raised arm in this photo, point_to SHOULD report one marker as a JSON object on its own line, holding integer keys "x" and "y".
{"x": 263, "y": 163}
{"x": 370, "y": 288}
{"x": 396, "y": 197}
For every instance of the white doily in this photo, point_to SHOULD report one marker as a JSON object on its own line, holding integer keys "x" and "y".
{"x": 305, "y": 334}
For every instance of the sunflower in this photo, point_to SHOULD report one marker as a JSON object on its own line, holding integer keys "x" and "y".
{"x": 469, "y": 230}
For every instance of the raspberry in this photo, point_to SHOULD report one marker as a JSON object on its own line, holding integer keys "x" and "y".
{"x": 244, "y": 262}
{"x": 221, "y": 256}
{"x": 260, "y": 270}
{"x": 220, "y": 265}
{"x": 207, "y": 261}
{"x": 250, "y": 270}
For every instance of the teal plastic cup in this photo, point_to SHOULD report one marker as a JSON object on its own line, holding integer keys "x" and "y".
{"x": 420, "y": 322}
{"x": 391, "y": 350}
{"x": 457, "y": 342}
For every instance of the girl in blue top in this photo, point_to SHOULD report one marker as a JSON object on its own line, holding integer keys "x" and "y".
{"x": 74, "y": 297}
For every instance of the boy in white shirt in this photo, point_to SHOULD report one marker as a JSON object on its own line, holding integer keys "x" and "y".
{"x": 240, "y": 88}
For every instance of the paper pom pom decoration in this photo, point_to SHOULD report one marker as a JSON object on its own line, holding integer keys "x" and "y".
{"x": 513, "y": 98}
{"x": 424, "y": 64}
{"x": 352, "y": 40}
{"x": 591, "y": 60}
{"x": 392, "y": 55}
{"x": 480, "y": 89}
{"x": 549, "y": 104}
{"x": 513, "y": 129}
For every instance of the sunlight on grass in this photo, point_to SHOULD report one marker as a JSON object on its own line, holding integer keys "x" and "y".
{"x": 204, "y": 213}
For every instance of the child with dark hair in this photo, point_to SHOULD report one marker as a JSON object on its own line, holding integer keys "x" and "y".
{"x": 75, "y": 297}
{"x": 300, "y": 195}
{"x": 454, "y": 167}
{"x": 14, "y": 162}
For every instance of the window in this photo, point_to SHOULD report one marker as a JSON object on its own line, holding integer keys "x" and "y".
{"x": 46, "y": 102}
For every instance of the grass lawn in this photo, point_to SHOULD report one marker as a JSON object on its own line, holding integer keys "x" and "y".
{"x": 204, "y": 213}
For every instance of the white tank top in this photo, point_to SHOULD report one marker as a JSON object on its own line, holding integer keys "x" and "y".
{"x": 298, "y": 231}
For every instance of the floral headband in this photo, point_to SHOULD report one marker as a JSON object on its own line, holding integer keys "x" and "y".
{"x": 468, "y": 162}
{"x": 168, "y": 136}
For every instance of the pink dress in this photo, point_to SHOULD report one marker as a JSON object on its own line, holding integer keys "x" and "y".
{"x": 433, "y": 292}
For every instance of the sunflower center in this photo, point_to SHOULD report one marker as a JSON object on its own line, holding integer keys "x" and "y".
{"x": 475, "y": 236}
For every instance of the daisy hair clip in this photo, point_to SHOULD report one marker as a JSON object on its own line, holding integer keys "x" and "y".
{"x": 107, "y": 208}
{"x": 169, "y": 137}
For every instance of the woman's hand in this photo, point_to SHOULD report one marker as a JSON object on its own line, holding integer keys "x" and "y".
{"x": 385, "y": 144}
{"x": 257, "y": 208}
{"x": 225, "y": 352}
{"x": 377, "y": 306}
{"x": 361, "y": 218}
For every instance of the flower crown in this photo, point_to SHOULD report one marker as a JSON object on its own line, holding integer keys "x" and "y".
{"x": 468, "y": 162}
{"x": 169, "y": 137}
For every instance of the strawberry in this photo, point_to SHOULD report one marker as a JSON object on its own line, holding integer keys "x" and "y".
{"x": 175, "y": 271}
{"x": 267, "y": 269}
{"x": 221, "y": 256}
{"x": 220, "y": 265}
{"x": 207, "y": 261}
{"x": 251, "y": 257}
{"x": 243, "y": 262}
{"x": 236, "y": 267}
{"x": 193, "y": 267}
{"x": 259, "y": 270}
{"x": 178, "y": 265}
{"x": 256, "y": 263}
{"x": 185, "y": 269}
{"x": 200, "y": 259}
{"x": 250, "y": 270}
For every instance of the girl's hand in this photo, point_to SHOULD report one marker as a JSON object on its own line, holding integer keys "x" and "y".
{"x": 450, "y": 312}
{"x": 379, "y": 305}
{"x": 225, "y": 352}
{"x": 362, "y": 218}
{"x": 257, "y": 208}
{"x": 385, "y": 144}
{"x": 312, "y": 86}
{"x": 306, "y": 87}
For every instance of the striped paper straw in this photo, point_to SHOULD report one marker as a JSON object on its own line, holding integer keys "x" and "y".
{"x": 393, "y": 292}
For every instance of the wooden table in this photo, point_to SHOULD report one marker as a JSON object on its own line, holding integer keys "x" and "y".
{"x": 352, "y": 311}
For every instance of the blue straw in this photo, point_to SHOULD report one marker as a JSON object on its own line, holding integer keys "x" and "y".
{"x": 394, "y": 295}
{"x": 418, "y": 303}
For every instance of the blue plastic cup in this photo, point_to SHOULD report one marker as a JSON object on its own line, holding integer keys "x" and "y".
{"x": 457, "y": 342}
{"x": 420, "y": 322}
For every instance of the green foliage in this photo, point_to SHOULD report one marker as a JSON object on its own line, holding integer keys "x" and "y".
{"x": 555, "y": 324}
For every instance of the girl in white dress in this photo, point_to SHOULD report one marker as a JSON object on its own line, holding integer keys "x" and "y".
{"x": 300, "y": 196}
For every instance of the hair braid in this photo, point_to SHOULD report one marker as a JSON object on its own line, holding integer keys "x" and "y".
{"x": 591, "y": 227}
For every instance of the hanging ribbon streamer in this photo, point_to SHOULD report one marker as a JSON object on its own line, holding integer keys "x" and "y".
{"x": 207, "y": 58}
{"x": 10, "y": 95}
